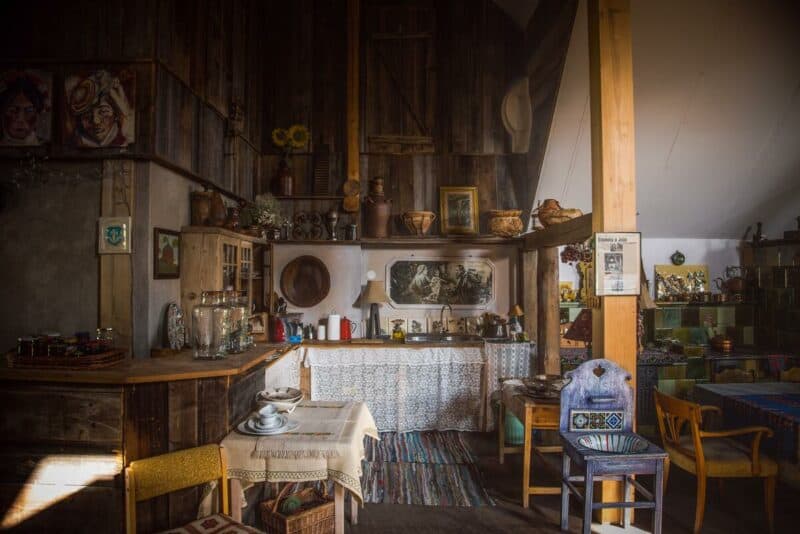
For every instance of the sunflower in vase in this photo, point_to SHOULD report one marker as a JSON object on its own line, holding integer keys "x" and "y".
{"x": 288, "y": 139}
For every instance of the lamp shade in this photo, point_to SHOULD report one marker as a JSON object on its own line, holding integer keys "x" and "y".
{"x": 581, "y": 329}
{"x": 516, "y": 311}
{"x": 374, "y": 293}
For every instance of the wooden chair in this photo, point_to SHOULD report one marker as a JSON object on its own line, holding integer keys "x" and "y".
{"x": 735, "y": 376}
{"x": 791, "y": 375}
{"x": 710, "y": 454}
{"x": 159, "y": 475}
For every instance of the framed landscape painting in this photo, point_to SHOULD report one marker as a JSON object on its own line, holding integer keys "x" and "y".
{"x": 458, "y": 210}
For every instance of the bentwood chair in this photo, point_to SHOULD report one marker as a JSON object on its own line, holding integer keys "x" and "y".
{"x": 159, "y": 475}
{"x": 791, "y": 375}
{"x": 711, "y": 454}
{"x": 735, "y": 376}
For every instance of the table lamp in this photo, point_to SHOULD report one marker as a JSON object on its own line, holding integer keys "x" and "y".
{"x": 374, "y": 295}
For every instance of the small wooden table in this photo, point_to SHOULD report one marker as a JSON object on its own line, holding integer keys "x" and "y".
{"x": 535, "y": 415}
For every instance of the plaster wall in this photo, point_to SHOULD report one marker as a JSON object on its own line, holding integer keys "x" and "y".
{"x": 348, "y": 267}
{"x": 48, "y": 250}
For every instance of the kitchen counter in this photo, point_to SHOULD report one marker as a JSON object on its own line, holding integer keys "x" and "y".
{"x": 181, "y": 366}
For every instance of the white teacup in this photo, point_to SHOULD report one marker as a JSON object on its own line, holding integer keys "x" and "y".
{"x": 268, "y": 416}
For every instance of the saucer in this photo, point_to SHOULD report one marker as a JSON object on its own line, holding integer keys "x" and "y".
{"x": 247, "y": 427}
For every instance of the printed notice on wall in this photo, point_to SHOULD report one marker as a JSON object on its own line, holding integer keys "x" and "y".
{"x": 617, "y": 263}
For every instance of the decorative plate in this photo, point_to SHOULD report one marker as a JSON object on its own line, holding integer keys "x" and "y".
{"x": 305, "y": 281}
{"x": 176, "y": 328}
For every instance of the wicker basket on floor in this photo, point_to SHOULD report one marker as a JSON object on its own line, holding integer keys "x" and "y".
{"x": 316, "y": 520}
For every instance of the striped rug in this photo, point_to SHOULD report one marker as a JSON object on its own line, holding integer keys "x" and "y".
{"x": 427, "y": 468}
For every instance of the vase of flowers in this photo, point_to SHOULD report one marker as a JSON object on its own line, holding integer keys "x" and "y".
{"x": 287, "y": 140}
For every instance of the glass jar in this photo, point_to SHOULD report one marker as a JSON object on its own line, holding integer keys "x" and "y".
{"x": 105, "y": 336}
{"x": 239, "y": 320}
{"x": 210, "y": 326}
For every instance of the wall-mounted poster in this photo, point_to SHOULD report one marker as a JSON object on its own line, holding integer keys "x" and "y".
{"x": 617, "y": 263}
{"x": 100, "y": 109}
{"x": 25, "y": 105}
{"x": 432, "y": 283}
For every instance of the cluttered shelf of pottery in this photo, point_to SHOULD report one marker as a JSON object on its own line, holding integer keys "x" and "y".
{"x": 309, "y": 197}
{"x": 410, "y": 241}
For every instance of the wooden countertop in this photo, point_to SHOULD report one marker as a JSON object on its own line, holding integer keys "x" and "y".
{"x": 388, "y": 344}
{"x": 163, "y": 369}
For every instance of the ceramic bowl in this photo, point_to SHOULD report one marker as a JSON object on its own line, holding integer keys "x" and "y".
{"x": 418, "y": 222}
{"x": 505, "y": 223}
{"x": 285, "y": 400}
{"x": 613, "y": 442}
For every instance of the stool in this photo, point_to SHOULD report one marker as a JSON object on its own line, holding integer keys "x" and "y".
{"x": 610, "y": 466}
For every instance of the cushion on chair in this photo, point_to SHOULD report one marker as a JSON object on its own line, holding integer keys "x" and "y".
{"x": 724, "y": 458}
{"x": 213, "y": 524}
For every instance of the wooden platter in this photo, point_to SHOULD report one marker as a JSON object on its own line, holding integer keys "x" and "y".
{"x": 305, "y": 281}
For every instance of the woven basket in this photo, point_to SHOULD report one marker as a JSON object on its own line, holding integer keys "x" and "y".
{"x": 317, "y": 520}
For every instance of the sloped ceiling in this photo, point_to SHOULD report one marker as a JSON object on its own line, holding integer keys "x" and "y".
{"x": 717, "y": 104}
{"x": 520, "y": 11}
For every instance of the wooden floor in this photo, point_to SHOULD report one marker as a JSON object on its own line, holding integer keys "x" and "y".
{"x": 739, "y": 509}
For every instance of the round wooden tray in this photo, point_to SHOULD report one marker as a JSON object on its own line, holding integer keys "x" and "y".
{"x": 305, "y": 281}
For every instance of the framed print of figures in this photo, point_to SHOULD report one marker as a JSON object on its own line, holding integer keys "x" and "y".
{"x": 432, "y": 283}
{"x": 166, "y": 250}
{"x": 458, "y": 210}
{"x": 617, "y": 263}
{"x": 100, "y": 109}
{"x": 25, "y": 107}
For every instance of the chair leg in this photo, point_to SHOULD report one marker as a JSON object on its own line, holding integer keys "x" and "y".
{"x": 701, "y": 503}
{"x": 769, "y": 501}
{"x": 666, "y": 474}
{"x": 588, "y": 499}
{"x": 565, "y": 468}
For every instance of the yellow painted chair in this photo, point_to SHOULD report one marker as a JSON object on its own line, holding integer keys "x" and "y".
{"x": 791, "y": 375}
{"x": 711, "y": 454}
{"x": 159, "y": 475}
{"x": 735, "y": 376}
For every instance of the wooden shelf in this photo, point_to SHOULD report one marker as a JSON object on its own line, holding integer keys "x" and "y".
{"x": 316, "y": 242}
{"x": 310, "y": 197}
{"x": 572, "y": 231}
{"x": 413, "y": 241}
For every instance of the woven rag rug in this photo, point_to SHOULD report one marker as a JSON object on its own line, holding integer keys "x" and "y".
{"x": 428, "y": 468}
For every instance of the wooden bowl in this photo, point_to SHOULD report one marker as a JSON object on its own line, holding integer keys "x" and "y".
{"x": 559, "y": 216}
{"x": 505, "y": 223}
{"x": 418, "y": 222}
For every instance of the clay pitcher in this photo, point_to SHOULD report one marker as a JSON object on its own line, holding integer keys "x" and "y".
{"x": 201, "y": 207}
{"x": 218, "y": 213}
{"x": 378, "y": 211}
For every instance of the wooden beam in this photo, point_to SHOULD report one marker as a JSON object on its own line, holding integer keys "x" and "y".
{"x": 613, "y": 180}
{"x": 353, "y": 70}
{"x": 547, "y": 39}
{"x": 548, "y": 333}
{"x": 572, "y": 231}
{"x": 530, "y": 288}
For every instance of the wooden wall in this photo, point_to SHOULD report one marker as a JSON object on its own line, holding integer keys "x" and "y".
{"x": 434, "y": 73}
{"x": 194, "y": 62}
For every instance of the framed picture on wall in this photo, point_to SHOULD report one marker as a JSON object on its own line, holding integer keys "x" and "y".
{"x": 434, "y": 282}
{"x": 166, "y": 253}
{"x": 114, "y": 235}
{"x": 458, "y": 210}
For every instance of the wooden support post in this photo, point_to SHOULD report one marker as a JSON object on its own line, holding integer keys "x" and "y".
{"x": 548, "y": 331}
{"x": 352, "y": 109}
{"x": 530, "y": 289}
{"x": 613, "y": 179}
{"x": 116, "y": 270}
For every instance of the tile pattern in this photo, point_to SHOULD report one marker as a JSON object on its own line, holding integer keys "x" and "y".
{"x": 592, "y": 420}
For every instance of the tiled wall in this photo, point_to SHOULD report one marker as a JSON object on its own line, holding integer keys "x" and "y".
{"x": 690, "y": 324}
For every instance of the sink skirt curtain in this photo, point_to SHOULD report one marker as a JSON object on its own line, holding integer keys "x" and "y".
{"x": 405, "y": 389}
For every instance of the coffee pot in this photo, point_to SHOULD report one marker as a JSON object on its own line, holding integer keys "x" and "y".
{"x": 347, "y": 328}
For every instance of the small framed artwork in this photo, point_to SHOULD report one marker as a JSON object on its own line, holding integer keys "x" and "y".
{"x": 618, "y": 260}
{"x": 458, "y": 209}
{"x": 416, "y": 325}
{"x": 114, "y": 235}
{"x": 166, "y": 253}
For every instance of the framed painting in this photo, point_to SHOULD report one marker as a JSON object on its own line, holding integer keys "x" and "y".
{"x": 100, "y": 108}
{"x": 25, "y": 107}
{"x": 435, "y": 282}
{"x": 676, "y": 283}
{"x": 166, "y": 253}
{"x": 458, "y": 210}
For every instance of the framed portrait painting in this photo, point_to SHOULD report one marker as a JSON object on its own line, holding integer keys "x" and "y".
{"x": 25, "y": 107}
{"x": 458, "y": 210}
{"x": 100, "y": 108}
{"x": 166, "y": 253}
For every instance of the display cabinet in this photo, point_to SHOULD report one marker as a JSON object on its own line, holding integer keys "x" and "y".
{"x": 215, "y": 259}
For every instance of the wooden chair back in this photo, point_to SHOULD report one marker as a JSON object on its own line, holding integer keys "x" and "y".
{"x": 735, "y": 376}
{"x": 159, "y": 475}
{"x": 791, "y": 375}
{"x": 674, "y": 416}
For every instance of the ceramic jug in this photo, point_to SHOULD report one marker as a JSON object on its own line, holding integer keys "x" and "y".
{"x": 378, "y": 211}
{"x": 347, "y": 328}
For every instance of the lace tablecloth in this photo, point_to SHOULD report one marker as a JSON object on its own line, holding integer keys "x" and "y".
{"x": 503, "y": 360}
{"x": 405, "y": 389}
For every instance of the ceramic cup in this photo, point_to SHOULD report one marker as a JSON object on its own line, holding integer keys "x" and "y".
{"x": 268, "y": 416}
